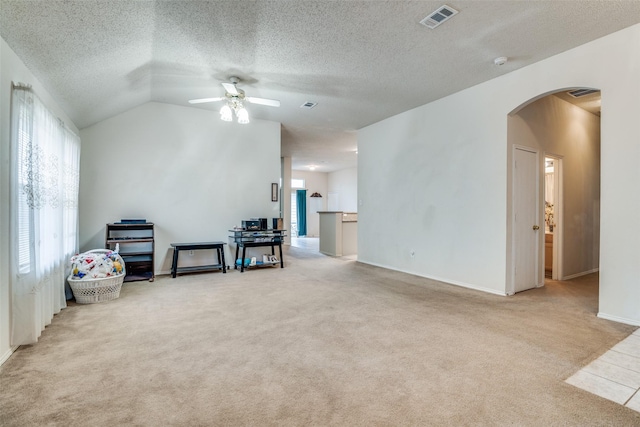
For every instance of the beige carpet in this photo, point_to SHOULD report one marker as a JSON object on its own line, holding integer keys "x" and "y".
{"x": 323, "y": 341}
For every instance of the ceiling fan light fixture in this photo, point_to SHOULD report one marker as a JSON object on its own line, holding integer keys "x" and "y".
{"x": 226, "y": 114}
{"x": 243, "y": 116}
{"x": 235, "y": 99}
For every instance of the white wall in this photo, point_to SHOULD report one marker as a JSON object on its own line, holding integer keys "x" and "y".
{"x": 345, "y": 184}
{"x": 314, "y": 182}
{"x": 181, "y": 168}
{"x": 12, "y": 69}
{"x": 438, "y": 175}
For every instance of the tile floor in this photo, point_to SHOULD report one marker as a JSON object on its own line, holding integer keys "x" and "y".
{"x": 615, "y": 375}
{"x": 312, "y": 244}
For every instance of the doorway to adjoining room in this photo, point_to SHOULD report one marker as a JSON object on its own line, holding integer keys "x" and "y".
{"x": 552, "y": 210}
{"x": 561, "y": 130}
{"x": 296, "y": 184}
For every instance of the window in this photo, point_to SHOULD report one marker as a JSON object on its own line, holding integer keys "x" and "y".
{"x": 44, "y": 178}
{"x": 297, "y": 183}
{"x": 24, "y": 216}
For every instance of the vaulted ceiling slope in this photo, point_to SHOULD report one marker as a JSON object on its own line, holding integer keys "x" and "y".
{"x": 361, "y": 61}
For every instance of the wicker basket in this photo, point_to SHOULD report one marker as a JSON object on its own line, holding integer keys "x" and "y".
{"x": 97, "y": 290}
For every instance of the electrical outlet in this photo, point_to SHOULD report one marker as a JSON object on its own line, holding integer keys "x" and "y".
{"x": 190, "y": 253}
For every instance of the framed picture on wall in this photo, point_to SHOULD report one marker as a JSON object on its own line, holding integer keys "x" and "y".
{"x": 274, "y": 192}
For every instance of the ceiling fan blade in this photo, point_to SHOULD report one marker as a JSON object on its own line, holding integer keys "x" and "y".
{"x": 263, "y": 101}
{"x": 203, "y": 100}
{"x": 230, "y": 88}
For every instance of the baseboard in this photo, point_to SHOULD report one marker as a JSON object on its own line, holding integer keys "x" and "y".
{"x": 584, "y": 273}
{"x": 619, "y": 319}
{"x": 438, "y": 279}
{"x": 7, "y": 355}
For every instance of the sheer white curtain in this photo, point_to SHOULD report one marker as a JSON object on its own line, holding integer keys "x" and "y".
{"x": 45, "y": 162}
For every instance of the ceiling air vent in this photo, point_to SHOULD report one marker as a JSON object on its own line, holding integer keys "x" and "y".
{"x": 439, "y": 16}
{"x": 309, "y": 105}
{"x": 577, "y": 93}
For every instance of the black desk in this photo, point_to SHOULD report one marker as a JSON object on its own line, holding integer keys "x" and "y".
{"x": 255, "y": 238}
{"x": 218, "y": 246}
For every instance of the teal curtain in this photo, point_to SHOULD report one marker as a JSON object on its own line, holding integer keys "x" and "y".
{"x": 301, "y": 208}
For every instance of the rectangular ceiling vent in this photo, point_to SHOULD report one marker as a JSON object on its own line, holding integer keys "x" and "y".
{"x": 309, "y": 105}
{"x": 442, "y": 14}
{"x": 577, "y": 93}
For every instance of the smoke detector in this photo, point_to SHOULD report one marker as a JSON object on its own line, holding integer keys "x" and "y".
{"x": 501, "y": 60}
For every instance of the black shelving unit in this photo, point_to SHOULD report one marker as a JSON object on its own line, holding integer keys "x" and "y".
{"x": 137, "y": 246}
{"x": 256, "y": 238}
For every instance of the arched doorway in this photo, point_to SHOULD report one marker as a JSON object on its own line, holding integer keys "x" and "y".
{"x": 564, "y": 129}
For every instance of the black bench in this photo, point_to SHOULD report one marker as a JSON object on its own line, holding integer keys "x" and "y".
{"x": 218, "y": 246}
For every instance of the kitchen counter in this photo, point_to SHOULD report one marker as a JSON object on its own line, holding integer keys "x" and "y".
{"x": 338, "y": 233}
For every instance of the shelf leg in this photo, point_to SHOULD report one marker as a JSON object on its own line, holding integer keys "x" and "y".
{"x": 174, "y": 265}
{"x": 221, "y": 259}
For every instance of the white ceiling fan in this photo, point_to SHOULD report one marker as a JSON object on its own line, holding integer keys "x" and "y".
{"x": 235, "y": 98}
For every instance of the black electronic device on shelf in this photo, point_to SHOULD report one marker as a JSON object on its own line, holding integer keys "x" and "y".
{"x": 251, "y": 224}
{"x": 277, "y": 224}
{"x": 262, "y": 221}
{"x": 132, "y": 221}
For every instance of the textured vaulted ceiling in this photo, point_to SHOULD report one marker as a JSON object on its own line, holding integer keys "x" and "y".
{"x": 362, "y": 61}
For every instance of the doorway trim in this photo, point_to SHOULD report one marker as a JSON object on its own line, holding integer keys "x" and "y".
{"x": 559, "y": 240}
{"x": 556, "y": 268}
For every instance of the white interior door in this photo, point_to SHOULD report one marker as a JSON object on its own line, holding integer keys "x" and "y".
{"x": 526, "y": 230}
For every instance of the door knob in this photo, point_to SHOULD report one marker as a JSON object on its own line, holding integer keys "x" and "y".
{"x": 535, "y": 227}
